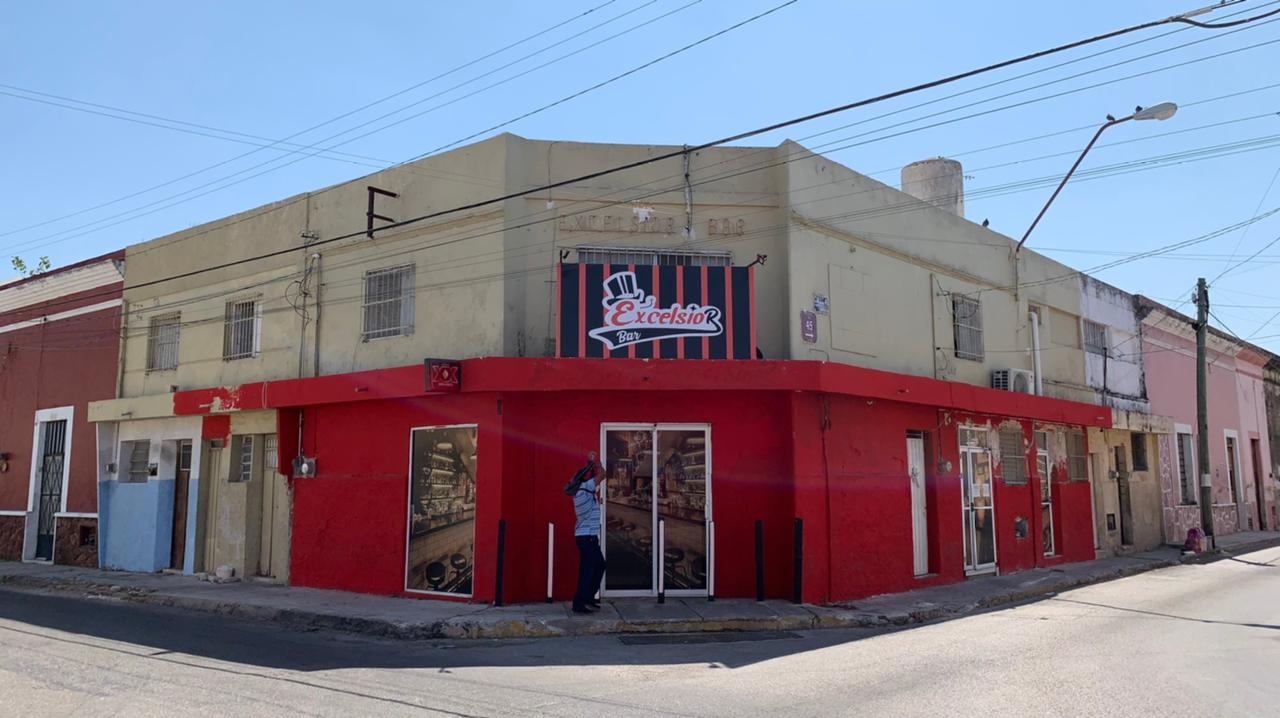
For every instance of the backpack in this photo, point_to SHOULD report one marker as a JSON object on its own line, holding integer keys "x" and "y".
{"x": 575, "y": 484}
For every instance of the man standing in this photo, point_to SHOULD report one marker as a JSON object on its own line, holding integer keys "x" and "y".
{"x": 586, "y": 533}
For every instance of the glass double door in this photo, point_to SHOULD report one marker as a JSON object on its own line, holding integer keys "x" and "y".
{"x": 658, "y": 476}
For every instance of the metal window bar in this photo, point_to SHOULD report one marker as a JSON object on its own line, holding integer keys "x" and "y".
{"x": 1077, "y": 461}
{"x": 162, "y": 342}
{"x": 244, "y": 460}
{"x": 650, "y": 257}
{"x": 388, "y": 302}
{"x": 967, "y": 316}
{"x": 1095, "y": 338}
{"x": 53, "y": 456}
{"x": 1013, "y": 457}
{"x": 1043, "y": 469}
{"x": 1186, "y": 471}
{"x": 139, "y": 461}
{"x": 270, "y": 453}
{"x": 240, "y": 330}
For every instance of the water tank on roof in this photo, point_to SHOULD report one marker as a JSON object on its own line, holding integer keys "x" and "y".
{"x": 938, "y": 181}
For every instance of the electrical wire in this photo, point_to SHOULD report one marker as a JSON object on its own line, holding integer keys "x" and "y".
{"x": 327, "y": 122}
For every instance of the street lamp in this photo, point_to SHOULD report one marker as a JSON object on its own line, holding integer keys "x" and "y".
{"x": 1162, "y": 111}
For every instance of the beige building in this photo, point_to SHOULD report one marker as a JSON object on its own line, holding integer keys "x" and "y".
{"x": 854, "y": 271}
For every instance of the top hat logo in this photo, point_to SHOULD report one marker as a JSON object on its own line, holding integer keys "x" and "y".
{"x": 623, "y": 286}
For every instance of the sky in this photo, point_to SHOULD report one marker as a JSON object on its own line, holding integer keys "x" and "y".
{"x": 210, "y": 84}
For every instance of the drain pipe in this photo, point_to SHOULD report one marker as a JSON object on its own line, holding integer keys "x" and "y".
{"x": 1035, "y": 351}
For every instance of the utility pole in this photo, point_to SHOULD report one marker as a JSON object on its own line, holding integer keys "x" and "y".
{"x": 1202, "y": 412}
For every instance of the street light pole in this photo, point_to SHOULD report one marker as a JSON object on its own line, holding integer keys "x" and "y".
{"x": 1162, "y": 111}
{"x": 1202, "y": 412}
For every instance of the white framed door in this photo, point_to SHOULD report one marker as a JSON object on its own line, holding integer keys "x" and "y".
{"x": 657, "y": 473}
{"x": 978, "y": 503}
{"x": 919, "y": 504}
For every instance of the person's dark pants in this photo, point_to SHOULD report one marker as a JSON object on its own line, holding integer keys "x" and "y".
{"x": 590, "y": 570}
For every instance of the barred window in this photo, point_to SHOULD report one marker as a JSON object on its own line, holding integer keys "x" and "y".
{"x": 136, "y": 457}
{"x": 241, "y": 330}
{"x": 1077, "y": 457}
{"x": 270, "y": 454}
{"x": 1139, "y": 442}
{"x": 967, "y": 315}
{"x": 243, "y": 469}
{"x": 1095, "y": 338}
{"x": 1013, "y": 457}
{"x": 162, "y": 342}
{"x": 1186, "y": 467}
{"x": 648, "y": 257}
{"x": 388, "y": 302}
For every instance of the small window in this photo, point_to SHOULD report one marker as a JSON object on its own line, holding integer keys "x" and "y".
{"x": 1139, "y": 442}
{"x": 1077, "y": 457}
{"x": 1186, "y": 468}
{"x": 967, "y": 315}
{"x": 1013, "y": 457}
{"x": 243, "y": 469}
{"x": 650, "y": 257}
{"x": 1095, "y": 339}
{"x": 388, "y": 303}
{"x": 136, "y": 463}
{"x": 270, "y": 454}
{"x": 162, "y": 342}
{"x": 241, "y": 330}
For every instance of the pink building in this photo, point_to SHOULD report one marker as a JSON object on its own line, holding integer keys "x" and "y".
{"x": 1244, "y": 492}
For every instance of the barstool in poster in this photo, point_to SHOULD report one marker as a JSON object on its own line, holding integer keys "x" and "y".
{"x": 442, "y": 510}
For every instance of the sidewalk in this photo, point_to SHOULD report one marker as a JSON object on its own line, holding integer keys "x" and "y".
{"x": 310, "y": 609}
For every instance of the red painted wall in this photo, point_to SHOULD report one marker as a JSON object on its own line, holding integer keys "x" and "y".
{"x": 68, "y": 362}
{"x": 350, "y": 521}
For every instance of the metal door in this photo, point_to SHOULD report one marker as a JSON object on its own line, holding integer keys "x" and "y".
{"x": 52, "y": 459}
{"x": 919, "y": 505}
{"x": 978, "y": 501}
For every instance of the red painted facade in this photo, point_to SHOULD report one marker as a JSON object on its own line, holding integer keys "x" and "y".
{"x": 54, "y": 353}
{"x": 820, "y": 442}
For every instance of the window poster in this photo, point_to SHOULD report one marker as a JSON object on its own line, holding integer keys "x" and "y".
{"x": 442, "y": 510}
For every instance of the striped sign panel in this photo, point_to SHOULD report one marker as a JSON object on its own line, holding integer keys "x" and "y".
{"x": 656, "y": 312}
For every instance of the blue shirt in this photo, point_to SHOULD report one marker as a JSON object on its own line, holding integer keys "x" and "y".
{"x": 587, "y": 509}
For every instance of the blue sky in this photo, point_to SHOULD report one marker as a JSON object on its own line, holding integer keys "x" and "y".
{"x": 270, "y": 70}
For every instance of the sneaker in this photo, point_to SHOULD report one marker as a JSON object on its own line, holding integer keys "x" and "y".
{"x": 582, "y": 610}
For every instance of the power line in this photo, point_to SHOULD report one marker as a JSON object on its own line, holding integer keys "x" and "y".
{"x": 670, "y": 155}
{"x": 331, "y": 120}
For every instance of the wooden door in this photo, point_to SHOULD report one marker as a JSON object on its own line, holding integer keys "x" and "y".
{"x": 181, "y": 493}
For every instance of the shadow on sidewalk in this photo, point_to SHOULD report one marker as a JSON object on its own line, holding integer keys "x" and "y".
{"x": 185, "y": 637}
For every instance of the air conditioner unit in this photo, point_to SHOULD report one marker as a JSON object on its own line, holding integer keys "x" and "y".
{"x": 1021, "y": 381}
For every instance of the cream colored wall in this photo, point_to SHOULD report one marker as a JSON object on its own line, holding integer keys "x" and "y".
{"x": 599, "y": 212}
{"x": 235, "y": 508}
{"x": 457, "y": 313}
{"x": 889, "y": 265}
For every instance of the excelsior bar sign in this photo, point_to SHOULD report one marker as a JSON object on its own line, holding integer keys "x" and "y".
{"x": 667, "y": 312}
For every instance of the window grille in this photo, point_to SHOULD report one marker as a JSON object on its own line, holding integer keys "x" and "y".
{"x": 1013, "y": 457}
{"x": 1186, "y": 468}
{"x": 1095, "y": 338}
{"x": 270, "y": 454}
{"x": 139, "y": 458}
{"x": 388, "y": 302}
{"x": 650, "y": 257}
{"x": 243, "y": 470}
{"x": 240, "y": 330}
{"x": 162, "y": 342}
{"x": 967, "y": 315}
{"x": 1077, "y": 457}
{"x": 1139, "y": 445}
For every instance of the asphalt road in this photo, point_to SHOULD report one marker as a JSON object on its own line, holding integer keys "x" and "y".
{"x": 1187, "y": 641}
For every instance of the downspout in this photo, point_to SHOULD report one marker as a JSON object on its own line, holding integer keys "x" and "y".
{"x": 315, "y": 370}
{"x": 1035, "y": 351}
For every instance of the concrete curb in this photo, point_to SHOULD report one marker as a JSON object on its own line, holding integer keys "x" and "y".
{"x": 512, "y": 624}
